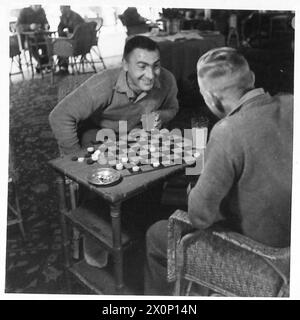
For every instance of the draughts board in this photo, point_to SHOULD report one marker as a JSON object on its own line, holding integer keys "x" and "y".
{"x": 144, "y": 154}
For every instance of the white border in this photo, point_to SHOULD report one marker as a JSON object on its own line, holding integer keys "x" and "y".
{"x": 209, "y": 4}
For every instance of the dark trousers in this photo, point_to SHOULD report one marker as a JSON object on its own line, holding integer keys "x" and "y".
{"x": 156, "y": 260}
{"x": 39, "y": 49}
{"x": 155, "y": 281}
{"x": 63, "y": 62}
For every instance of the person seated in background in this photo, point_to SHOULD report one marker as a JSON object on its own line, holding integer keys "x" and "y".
{"x": 34, "y": 18}
{"x": 68, "y": 21}
{"x": 140, "y": 86}
{"x": 246, "y": 182}
{"x": 133, "y": 21}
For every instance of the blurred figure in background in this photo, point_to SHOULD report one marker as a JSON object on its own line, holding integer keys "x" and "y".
{"x": 34, "y": 18}
{"x": 133, "y": 21}
{"x": 69, "y": 19}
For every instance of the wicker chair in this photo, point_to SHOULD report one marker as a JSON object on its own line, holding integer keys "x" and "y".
{"x": 77, "y": 47}
{"x": 225, "y": 262}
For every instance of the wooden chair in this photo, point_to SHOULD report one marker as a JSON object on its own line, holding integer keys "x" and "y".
{"x": 225, "y": 262}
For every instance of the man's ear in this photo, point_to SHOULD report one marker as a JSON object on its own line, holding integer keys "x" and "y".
{"x": 252, "y": 78}
{"x": 125, "y": 65}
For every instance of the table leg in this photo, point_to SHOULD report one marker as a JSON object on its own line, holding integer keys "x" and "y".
{"x": 65, "y": 239}
{"x": 76, "y": 233}
{"x": 115, "y": 213}
{"x": 62, "y": 210}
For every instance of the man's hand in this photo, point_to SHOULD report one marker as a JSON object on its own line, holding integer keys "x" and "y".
{"x": 34, "y": 26}
{"x": 157, "y": 121}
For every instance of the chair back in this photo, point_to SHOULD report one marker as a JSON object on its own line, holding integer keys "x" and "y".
{"x": 84, "y": 37}
{"x": 14, "y": 49}
{"x": 99, "y": 22}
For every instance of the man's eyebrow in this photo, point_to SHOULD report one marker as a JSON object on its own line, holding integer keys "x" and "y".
{"x": 144, "y": 62}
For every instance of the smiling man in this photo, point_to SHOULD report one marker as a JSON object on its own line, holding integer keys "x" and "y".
{"x": 140, "y": 86}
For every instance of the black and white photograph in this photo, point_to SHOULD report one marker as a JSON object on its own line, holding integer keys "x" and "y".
{"x": 149, "y": 149}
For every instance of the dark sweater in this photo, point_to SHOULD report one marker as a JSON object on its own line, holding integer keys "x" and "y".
{"x": 247, "y": 177}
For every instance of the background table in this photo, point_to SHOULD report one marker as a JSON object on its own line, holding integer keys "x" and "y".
{"x": 180, "y": 52}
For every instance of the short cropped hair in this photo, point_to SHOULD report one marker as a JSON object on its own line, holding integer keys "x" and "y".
{"x": 140, "y": 42}
{"x": 226, "y": 65}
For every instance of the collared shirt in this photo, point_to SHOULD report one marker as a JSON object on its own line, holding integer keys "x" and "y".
{"x": 105, "y": 98}
{"x": 247, "y": 178}
{"x": 247, "y": 97}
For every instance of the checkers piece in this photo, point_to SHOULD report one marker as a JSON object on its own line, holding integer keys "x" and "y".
{"x": 189, "y": 160}
{"x": 119, "y": 166}
{"x": 152, "y": 149}
{"x": 155, "y": 164}
{"x": 124, "y": 159}
{"x": 95, "y": 157}
{"x": 90, "y": 161}
{"x": 135, "y": 168}
{"x": 127, "y": 165}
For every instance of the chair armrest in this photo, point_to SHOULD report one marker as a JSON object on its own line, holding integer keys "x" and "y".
{"x": 254, "y": 246}
{"x": 179, "y": 224}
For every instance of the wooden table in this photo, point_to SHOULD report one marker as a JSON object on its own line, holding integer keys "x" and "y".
{"x": 88, "y": 222}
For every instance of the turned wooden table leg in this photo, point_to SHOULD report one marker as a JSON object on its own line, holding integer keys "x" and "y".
{"x": 115, "y": 213}
{"x": 65, "y": 238}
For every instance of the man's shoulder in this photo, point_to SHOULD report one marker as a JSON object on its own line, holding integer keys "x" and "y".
{"x": 105, "y": 79}
{"x": 254, "y": 117}
{"x": 75, "y": 14}
{"x": 26, "y": 10}
{"x": 286, "y": 99}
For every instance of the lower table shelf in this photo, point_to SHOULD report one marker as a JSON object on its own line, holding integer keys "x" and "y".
{"x": 91, "y": 222}
{"x": 101, "y": 281}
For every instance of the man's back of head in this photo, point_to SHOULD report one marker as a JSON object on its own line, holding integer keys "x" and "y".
{"x": 224, "y": 77}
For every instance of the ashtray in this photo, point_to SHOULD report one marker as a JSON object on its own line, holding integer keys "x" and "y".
{"x": 104, "y": 177}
